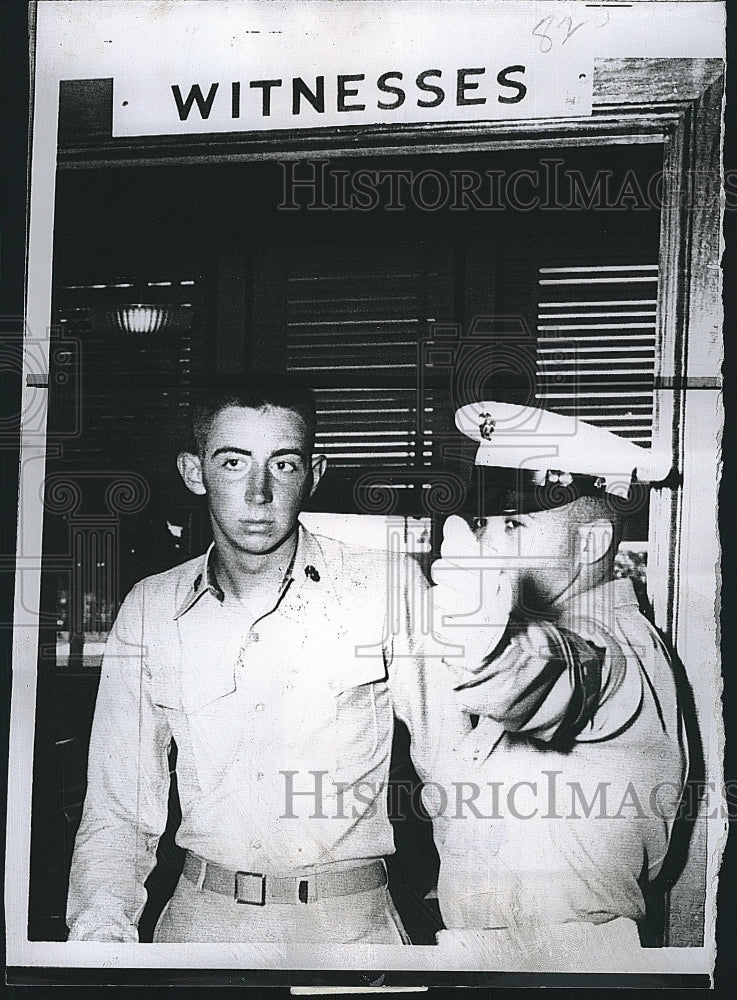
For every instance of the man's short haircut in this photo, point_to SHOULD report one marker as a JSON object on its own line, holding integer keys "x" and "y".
{"x": 253, "y": 392}
{"x": 587, "y": 509}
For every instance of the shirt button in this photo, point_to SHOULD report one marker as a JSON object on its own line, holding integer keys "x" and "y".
{"x": 256, "y": 844}
{"x": 254, "y": 636}
{"x": 259, "y": 706}
{"x": 259, "y": 775}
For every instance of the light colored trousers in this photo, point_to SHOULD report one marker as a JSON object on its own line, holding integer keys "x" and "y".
{"x": 198, "y": 915}
{"x": 577, "y": 946}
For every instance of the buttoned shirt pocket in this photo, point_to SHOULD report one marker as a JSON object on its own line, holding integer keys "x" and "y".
{"x": 166, "y": 689}
{"x": 204, "y": 716}
{"x": 363, "y": 723}
{"x": 194, "y": 691}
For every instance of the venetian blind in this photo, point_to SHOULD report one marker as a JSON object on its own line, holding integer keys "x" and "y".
{"x": 596, "y": 342}
{"x": 355, "y": 317}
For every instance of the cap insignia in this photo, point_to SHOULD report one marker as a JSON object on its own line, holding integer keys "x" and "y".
{"x": 487, "y": 426}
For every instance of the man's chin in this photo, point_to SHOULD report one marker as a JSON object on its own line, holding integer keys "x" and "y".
{"x": 261, "y": 542}
{"x": 258, "y": 543}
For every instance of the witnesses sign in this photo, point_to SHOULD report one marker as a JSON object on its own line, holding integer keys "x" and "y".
{"x": 327, "y": 65}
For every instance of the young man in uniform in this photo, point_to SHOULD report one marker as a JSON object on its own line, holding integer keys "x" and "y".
{"x": 576, "y": 765}
{"x": 246, "y": 659}
{"x": 275, "y": 663}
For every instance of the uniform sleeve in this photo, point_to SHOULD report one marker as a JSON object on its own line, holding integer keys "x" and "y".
{"x": 421, "y": 683}
{"x": 543, "y": 681}
{"x": 127, "y": 791}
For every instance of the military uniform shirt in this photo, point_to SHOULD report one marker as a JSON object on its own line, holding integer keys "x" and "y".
{"x": 583, "y": 739}
{"x": 283, "y": 726}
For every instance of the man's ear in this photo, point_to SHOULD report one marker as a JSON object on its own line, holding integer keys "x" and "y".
{"x": 319, "y": 464}
{"x": 594, "y": 540}
{"x": 190, "y": 469}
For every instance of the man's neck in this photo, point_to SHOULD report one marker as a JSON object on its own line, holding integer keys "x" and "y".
{"x": 588, "y": 579}
{"x": 250, "y": 577}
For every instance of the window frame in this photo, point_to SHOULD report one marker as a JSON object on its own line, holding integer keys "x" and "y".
{"x": 673, "y": 102}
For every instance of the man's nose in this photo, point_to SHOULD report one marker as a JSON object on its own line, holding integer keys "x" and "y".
{"x": 258, "y": 485}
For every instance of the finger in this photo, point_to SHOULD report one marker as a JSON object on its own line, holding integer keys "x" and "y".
{"x": 455, "y": 573}
{"x": 458, "y": 539}
{"x": 457, "y": 576}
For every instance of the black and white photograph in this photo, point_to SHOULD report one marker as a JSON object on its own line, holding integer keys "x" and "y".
{"x": 368, "y": 575}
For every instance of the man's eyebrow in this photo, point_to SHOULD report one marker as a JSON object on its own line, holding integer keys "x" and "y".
{"x": 232, "y": 449}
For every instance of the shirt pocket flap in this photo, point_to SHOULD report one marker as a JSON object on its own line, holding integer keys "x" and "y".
{"x": 350, "y": 670}
{"x": 208, "y": 684}
{"x": 165, "y": 689}
{"x": 199, "y": 686}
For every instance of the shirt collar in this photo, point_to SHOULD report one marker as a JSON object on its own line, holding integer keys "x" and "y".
{"x": 597, "y": 602}
{"x": 307, "y": 565}
{"x": 204, "y": 582}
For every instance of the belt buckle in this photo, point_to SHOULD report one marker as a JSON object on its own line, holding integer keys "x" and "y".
{"x": 252, "y": 893}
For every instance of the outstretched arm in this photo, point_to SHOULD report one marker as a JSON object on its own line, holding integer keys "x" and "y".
{"x": 542, "y": 680}
{"x": 533, "y": 677}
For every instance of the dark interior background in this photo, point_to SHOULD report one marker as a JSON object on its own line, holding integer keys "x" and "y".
{"x": 350, "y": 298}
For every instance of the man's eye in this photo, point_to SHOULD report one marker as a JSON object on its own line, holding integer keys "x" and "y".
{"x": 232, "y": 463}
{"x": 511, "y": 523}
{"x": 284, "y": 465}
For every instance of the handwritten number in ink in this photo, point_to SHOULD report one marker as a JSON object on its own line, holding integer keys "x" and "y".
{"x": 546, "y": 42}
{"x": 571, "y": 27}
{"x": 544, "y": 29}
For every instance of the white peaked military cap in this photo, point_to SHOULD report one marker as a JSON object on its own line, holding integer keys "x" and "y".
{"x": 532, "y": 459}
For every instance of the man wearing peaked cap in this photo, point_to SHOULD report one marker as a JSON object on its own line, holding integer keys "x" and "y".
{"x": 579, "y": 727}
